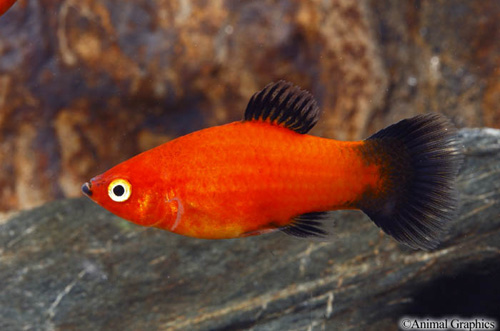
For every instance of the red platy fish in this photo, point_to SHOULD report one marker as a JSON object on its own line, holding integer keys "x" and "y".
{"x": 265, "y": 173}
{"x": 5, "y": 5}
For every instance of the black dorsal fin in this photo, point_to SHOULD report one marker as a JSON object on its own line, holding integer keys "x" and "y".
{"x": 315, "y": 225}
{"x": 284, "y": 104}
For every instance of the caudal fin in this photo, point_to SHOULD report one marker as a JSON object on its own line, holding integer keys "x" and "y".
{"x": 420, "y": 159}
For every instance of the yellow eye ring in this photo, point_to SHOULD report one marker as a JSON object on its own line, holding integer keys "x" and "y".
{"x": 119, "y": 190}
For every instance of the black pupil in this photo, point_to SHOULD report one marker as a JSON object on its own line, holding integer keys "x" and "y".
{"x": 118, "y": 190}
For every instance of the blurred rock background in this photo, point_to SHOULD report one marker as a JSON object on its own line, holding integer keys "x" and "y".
{"x": 86, "y": 84}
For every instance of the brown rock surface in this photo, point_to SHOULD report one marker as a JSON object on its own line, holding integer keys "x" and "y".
{"x": 86, "y": 84}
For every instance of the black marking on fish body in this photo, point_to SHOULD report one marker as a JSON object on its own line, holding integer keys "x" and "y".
{"x": 420, "y": 158}
{"x": 284, "y": 104}
{"x": 86, "y": 189}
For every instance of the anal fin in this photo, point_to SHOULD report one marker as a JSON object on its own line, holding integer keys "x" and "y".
{"x": 317, "y": 225}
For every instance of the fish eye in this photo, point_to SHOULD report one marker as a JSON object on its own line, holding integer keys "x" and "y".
{"x": 119, "y": 190}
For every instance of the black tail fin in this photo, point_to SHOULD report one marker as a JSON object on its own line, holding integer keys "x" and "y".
{"x": 421, "y": 157}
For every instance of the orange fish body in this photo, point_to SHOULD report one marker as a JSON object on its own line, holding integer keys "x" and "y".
{"x": 245, "y": 177}
{"x": 251, "y": 177}
{"x": 5, "y": 5}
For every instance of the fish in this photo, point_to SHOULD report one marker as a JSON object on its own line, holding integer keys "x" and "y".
{"x": 5, "y": 5}
{"x": 265, "y": 173}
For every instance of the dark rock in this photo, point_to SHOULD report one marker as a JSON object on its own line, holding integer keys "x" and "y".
{"x": 70, "y": 265}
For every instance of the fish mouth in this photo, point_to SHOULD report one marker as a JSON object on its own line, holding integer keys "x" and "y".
{"x": 86, "y": 189}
